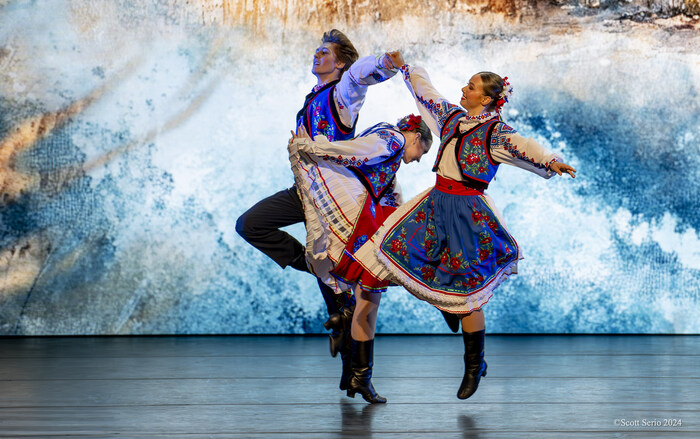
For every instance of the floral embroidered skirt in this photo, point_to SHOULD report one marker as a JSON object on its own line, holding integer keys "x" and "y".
{"x": 448, "y": 247}
{"x": 348, "y": 270}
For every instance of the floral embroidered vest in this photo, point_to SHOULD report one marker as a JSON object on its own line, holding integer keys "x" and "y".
{"x": 320, "y": 117}
{"x": 378, "y": 177}
{"x": 472, "y": 149}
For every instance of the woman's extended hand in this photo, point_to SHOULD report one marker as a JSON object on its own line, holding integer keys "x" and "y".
{"x": 560, "y": 168}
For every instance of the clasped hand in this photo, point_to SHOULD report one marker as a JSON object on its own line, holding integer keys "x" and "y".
{"x": 392, "y": 60}
{"x": 300, "y": 134}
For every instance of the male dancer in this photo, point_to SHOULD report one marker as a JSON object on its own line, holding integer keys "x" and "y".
{"x": 330, "y": 110}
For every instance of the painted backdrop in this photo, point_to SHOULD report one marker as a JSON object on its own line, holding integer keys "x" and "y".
{"x": 133, "y": 133}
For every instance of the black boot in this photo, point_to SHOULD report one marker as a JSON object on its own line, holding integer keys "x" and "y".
{"x": 340, "y": 324}
{"x": 340, "y": 341}
{"x": 346, "y": 356}
{"x": 329, "y": 297}
{"x": 452, "y": 320}
{"x": 361, "y": 376}
{"x": 474, "y": 364}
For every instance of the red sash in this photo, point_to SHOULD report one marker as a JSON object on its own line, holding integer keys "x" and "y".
{"x": 455, "y": 187}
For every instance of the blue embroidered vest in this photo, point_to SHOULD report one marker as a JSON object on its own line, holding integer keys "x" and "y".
{"x": 472, "y": 149}
{"x": 320, "y": 117}
{"x": 377, "y": 177}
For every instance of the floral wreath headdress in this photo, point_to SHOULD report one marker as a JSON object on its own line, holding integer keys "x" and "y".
{"x": 409, "y": 123}
{"x": 503, "y": 96}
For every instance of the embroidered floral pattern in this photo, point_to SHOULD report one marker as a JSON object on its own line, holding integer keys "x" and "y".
{"x": 507, "y": 254}
{"x": 429, "y": 244}
{"x": 479, "y": 117}
{"x": 501, "y": 139}
{"x": 377, "y": 172}
{"x": 486, "y": 244}
{"x": 449, "y": 129}
{"x": 419, "y": 217}
{"x": 380, "y": 175}
{"x": 404, "y": 70}
{"x": 427, "y": 272}
{"x": 377, "y": 77}
{"x": 456, "y": 266}
{"x": 430, "y": 227}
{"x": 441, "y": 110}
{"x": 344, "y": 161}
{"x": 398, "y": 246}
{"x": 393, "y": 143}
{"x": 482, "y": 218}
{"x": 319, "y": 125}
{"x": 472, "y": 157}
{"x": 337, "y": 101}
{"x": 454, "y": 263}
{"x": 359, "y": 242}
{"x": 390, "y": 199}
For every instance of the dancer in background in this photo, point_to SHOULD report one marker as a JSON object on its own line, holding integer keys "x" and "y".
{"x": 449, "y": 245}
{"x": 348, "y": 189}
{"x": 329, "y": 111}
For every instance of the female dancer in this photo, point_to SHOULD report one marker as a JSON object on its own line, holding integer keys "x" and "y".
{"x": 348, "y": 189}
{"x": 449, "y": 246}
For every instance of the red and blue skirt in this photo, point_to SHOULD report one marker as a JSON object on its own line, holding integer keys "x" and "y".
{"x": 447, "y": 246}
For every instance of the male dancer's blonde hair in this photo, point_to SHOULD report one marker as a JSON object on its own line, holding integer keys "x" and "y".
{"x": 344, "y": 50}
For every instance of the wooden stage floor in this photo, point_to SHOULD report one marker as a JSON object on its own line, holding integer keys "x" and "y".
{"x": 286, "y": 387}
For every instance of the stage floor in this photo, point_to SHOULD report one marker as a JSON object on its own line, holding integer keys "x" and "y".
{"x": 287, "y": 387}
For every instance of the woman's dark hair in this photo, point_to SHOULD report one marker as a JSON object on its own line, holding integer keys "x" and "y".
{"x": 493, "y": 86}
{"x": 415, "y": 123}
{"x": 343, "y": 49}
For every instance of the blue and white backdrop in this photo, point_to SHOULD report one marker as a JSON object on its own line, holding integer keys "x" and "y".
{"x": 133, "y": 133}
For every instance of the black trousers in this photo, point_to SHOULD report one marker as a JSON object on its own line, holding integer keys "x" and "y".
{"x": 260, "y": 227}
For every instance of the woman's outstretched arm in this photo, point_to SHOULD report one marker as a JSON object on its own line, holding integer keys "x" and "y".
{"x": 433, "y": 106}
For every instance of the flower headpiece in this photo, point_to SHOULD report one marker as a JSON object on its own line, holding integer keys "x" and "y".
{"x": 409, "y": 123}
{"x": 505, "y": 93}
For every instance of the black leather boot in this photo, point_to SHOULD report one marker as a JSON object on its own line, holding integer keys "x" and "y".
{"x": 361, "y": 376}
{"x": 452, "y": 320}
{"x": 346, "y": 356}
{"x": 339, "y": 323}
{"x": 474, "y": 364}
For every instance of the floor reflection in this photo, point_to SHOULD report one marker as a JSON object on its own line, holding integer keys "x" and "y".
{"x": 468, "y": 427}
{"x": 356, "y": 419}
